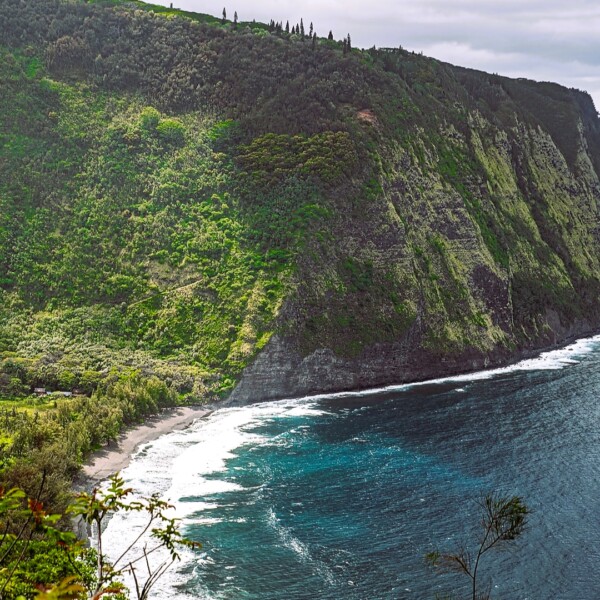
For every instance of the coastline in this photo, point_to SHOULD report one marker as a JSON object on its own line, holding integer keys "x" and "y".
{"x": 115, "y": 456}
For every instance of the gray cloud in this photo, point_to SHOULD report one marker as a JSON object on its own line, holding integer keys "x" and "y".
{"x": 547, "y": 40}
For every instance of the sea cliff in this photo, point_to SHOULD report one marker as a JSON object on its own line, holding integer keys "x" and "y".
{"x": 213, "y": 204}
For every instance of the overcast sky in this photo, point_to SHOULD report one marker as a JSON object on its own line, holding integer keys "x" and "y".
{"x": 547, "y": 40}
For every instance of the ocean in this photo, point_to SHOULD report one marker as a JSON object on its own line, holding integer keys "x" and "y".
{"x": 341, "y": 496}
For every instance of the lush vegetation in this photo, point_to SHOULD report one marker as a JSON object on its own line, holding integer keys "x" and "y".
{"x": 144, "y": 254}
{"x": 38, "y": 559}
{"x": 176, "y": 189}
{"x": 35, "y": 554}
{"x": 171, "y": 184}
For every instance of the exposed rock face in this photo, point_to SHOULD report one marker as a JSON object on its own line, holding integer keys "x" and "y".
{"x": 482, "y": 248}
{"x": 305, "y": 218}
{"x": 280, "y": 372}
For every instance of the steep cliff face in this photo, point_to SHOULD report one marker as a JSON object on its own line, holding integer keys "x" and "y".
{"x": 480, "y": 247}
{"x": 210, "y": 203}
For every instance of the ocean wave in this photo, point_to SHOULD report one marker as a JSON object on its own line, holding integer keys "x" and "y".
{"x": 189, "y": 465}
{"x": 184, "y": 466}
{"x": 300, "y": 549}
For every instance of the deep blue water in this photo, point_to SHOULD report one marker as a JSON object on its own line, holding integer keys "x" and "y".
{"x": 342, "y": 497}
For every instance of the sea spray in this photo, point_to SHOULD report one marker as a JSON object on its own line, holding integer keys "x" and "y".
{"x": 178, "y": 465}
{"x": 342, "y": 495}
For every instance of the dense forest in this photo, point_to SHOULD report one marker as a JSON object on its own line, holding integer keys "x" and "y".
{"x": 181, "y": 194}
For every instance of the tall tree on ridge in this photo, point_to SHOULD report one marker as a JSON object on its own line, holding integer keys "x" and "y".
{"x": 224, "y": 16}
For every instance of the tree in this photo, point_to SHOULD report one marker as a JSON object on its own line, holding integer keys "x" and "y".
{"x": 301, "y": 29}
{"x": 330, "y": 36}
{"x": 33, "y": 551}
{"x": 97, "y": 507}
{"x": 349, "y": 43}
{"x": 310, "y": 30}
{"x": 235, "y": 20}
{"x": 224, "y": 16}
{"x": 503, "y": 520}
{"x": 287, "y": 26}
{"x": 38, "y": 558}
{"x": 314, "y": 40}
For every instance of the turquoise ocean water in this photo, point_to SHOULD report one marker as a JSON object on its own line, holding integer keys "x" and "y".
{"x": 342, "y": 496}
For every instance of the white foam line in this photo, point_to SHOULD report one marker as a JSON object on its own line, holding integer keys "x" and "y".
{"x": 546, "y": 361}
{"x": 180, "y": 464}
{"x": 181, "y": 467}
{"x": 290, "y": 541}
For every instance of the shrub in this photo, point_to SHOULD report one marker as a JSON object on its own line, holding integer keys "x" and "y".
{"x": 149, "y": 118}
{"x": 171, "y": 131}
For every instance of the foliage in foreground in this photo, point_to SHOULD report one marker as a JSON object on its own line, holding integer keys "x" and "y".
{"x": 160, "y": 532}
{"x": 503, "y": 520}
{"x": 38, "y": 560}
{"x": 35, "y": 554}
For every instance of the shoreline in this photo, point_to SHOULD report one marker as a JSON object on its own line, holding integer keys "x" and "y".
{"x": 115, "y": 456}
{"x": 491, "y": 368}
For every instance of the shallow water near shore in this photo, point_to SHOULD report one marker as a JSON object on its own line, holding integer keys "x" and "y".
{"x": 342, "y": 496}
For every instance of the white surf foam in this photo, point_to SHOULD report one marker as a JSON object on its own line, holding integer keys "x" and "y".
{"x": 299, "y": 548}
{"x": 179, "y": 465}
{"x": 546, "y": 361}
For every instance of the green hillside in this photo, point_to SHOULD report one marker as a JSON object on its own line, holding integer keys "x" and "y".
{"x": 177, "y": 190}
{"x": 191, "y": 207}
